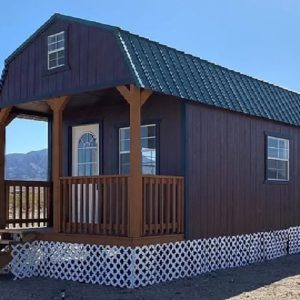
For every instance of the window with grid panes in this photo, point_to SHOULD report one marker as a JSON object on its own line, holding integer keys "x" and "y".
{"x": 277, "y": 158}
{"x": 56, "y": 50}
{"x": 148, "y": 141}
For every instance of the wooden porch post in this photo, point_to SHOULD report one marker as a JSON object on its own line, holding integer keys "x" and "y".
{"x": 4, "y": 116}
{"x": 57, "y": 105}
{"x": 136, "y": 98}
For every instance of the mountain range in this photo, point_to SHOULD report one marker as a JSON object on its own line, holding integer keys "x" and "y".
{"x": 34, "y": 165}
{"x": 29, "y": 166}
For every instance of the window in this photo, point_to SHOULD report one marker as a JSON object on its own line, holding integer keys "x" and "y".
{"x": 278, "y": 158}
{"x": 56, "y": 50}
{"x": 148, "y": 141}
{"x": 87, "y": 152}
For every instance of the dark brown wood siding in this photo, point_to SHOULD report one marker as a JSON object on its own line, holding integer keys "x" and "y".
{"x": 225, "y": 180}
{"x": 94, "y": 62}
{"x": 111, "y": 112}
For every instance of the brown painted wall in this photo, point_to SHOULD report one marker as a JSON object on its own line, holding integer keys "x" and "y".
{"x": 94, "y": 61}
{"x": 227, "y": 192}
{"x": 111, "y": 112}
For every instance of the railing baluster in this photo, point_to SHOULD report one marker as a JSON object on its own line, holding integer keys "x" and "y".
{"x": 45, "y": 206}
{"x": 104, "y": 204}
{"x": 123, "y": 207}
{"x": 70, "y": 199}
{"x": 161, "y": 200}
{"x": 93, "y": 214}
{"x": 76, "y": 204}
{"x": 173, "y": 205}
{"x": 21, "y": 204}
{"x": 168, "y": 206}
{"x": 87, "y": 205}
{"x": 151, "y": 207}
{"x": 156, "y": 201}
{"x": 178, "y": 206}
{"x": 71, "y": 207}
{"x": 7, "y": 202}
{"x": 26, "y": 204}
{"x": 117, "y": 223}
{"x": 99, "y": 199}
{"x": 81, "y": 206}
{"x": 13, "y": 198}
{"x": 39, "y": 205}
{"x": 182, "y": 205}
{"x": 110, "y": 181}
{"x": 144, "y": 180}
{"x": 63, "y": 204}
{"x": 33, "y": 206}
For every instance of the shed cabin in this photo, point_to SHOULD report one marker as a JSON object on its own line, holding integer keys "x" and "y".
{"x": 147, "y": 144}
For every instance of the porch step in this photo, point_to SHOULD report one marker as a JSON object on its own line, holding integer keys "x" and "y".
{"x": 15, "y": 231}
{"x": 8, "y": 234}
{"x": 17, "y": 235}
{"x": 7, "y": 239}
{"x": 10, "y": 237}
{"x": 8, "y": 242}
{"x": 5, "y": 258}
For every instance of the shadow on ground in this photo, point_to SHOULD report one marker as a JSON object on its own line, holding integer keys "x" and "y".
{"x": 241, "y": 282}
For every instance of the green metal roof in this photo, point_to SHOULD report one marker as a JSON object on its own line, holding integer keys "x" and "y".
{"x": 166, "y": 70}
{"x": 169, "y": 71}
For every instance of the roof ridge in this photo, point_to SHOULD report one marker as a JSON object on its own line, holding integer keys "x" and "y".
{"x": 210, "y": 62}
{"x": 87, "y": 22}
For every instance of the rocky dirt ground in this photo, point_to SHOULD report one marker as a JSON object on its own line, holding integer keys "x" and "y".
{"x": 277, "y": 279}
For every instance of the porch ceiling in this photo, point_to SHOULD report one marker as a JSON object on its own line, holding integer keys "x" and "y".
{"x": 41, "y": 110}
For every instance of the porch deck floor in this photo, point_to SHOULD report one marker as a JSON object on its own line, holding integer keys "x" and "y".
{"x": 48, "y": 234}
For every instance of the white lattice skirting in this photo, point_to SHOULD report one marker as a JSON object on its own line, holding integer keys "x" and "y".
{"x": 141, "y": 266}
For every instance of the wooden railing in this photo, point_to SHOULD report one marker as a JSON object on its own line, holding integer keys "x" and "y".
{"x": 163, "y": 200}
{"x": 28, "y": 203}
{"x": 99, "y": 205}
{"x": 95, "y": 205}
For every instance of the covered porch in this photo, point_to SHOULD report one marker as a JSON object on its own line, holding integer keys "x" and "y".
{"x": 113, "y": 209}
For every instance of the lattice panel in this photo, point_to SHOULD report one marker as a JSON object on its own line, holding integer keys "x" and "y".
{"x": 141, "y": 266}
{"x": 77, "y": 262}
{"x": 294, "y": 240}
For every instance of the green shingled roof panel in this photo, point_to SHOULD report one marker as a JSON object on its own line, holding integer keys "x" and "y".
{"x": 169, "y": 71}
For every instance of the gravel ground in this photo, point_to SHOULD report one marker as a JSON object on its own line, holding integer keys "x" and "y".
{"x": 277, "y": 279}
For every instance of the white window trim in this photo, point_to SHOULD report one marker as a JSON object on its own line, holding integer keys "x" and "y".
{"x": 281, "y": 159}
{"x": 124, "y": 152}
{"x": 54, "y": 51}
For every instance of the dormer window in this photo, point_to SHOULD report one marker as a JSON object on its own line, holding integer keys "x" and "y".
{"x": 56, "y": 50}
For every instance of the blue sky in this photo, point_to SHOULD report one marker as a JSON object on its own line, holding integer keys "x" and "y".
{"x": 256, "y": 37}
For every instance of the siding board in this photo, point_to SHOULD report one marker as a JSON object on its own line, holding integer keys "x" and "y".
{"x": 223, "y": 173}
{"x": 228, "y": 194}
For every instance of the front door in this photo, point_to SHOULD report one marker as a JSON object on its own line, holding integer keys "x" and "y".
{"x": 85, "y": 162}
{"x": 85, "y": 150}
